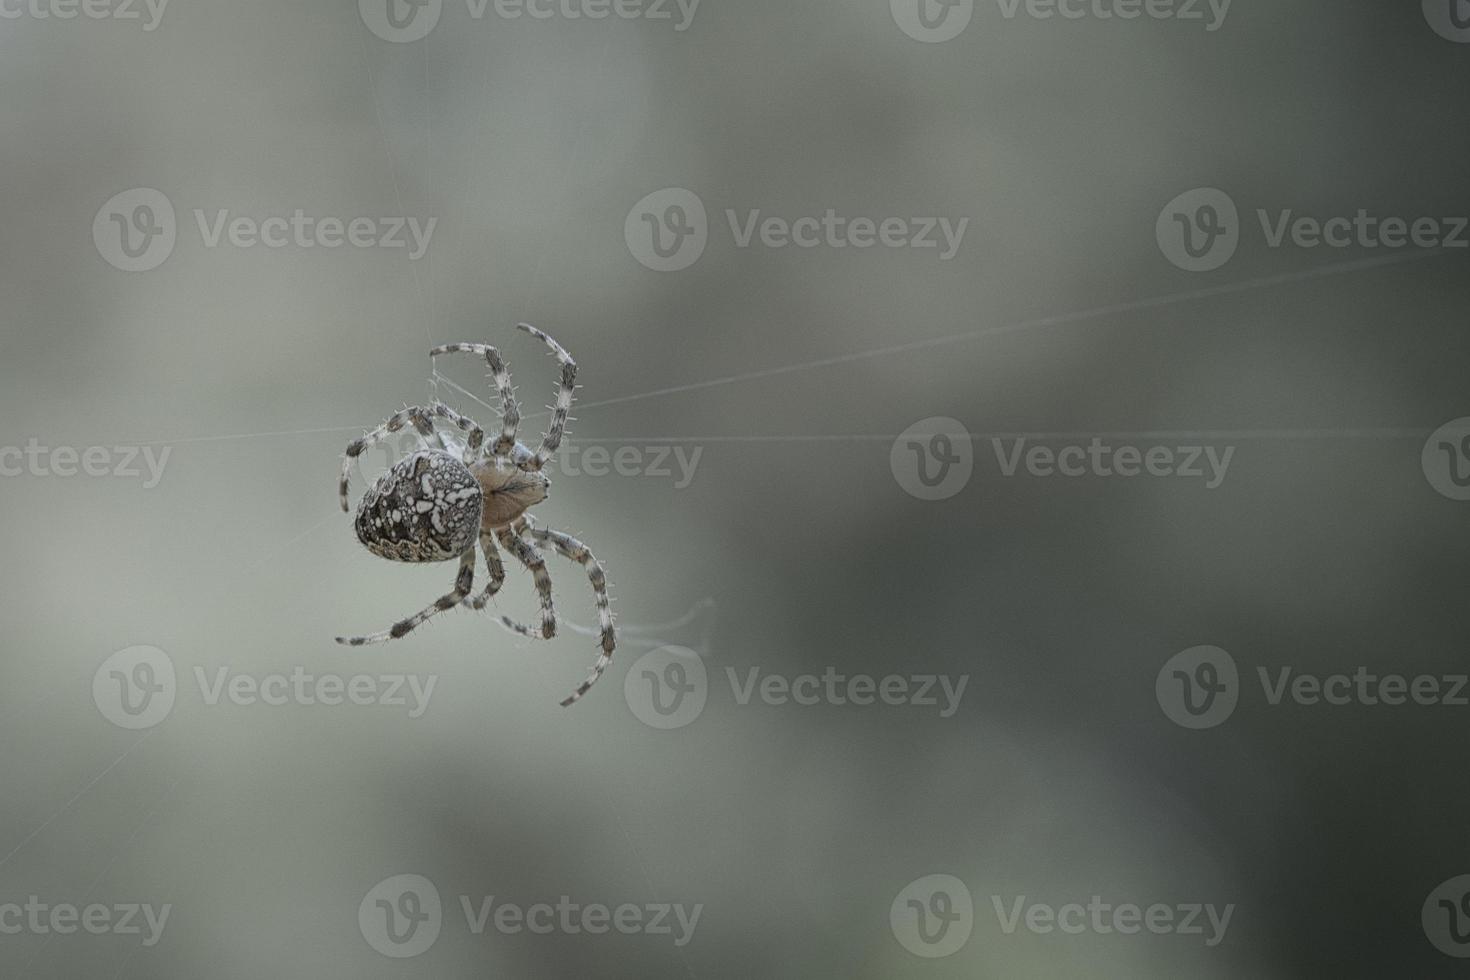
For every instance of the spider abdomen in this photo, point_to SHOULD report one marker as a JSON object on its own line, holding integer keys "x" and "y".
{"x": 426, "y": 508}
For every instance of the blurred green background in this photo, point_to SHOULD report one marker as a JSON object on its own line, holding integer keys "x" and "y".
{"x": 794, "y": 827}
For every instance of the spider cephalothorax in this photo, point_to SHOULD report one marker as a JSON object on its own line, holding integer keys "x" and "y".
{"x": 435, "y": 506}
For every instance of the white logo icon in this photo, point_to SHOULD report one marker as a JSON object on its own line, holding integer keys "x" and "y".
{"x": 1449, "y": 18}
{"x": 135, "y": 688}
{"x": 933, "y": 459}
{"x": 400, "y": 21}
{"x": 933, "y": 916}
{"x": 1446, "y": 917}
{"x": 667, "y": 230}
{"x": 932, "y": 21}
{"x": 135, "y": 230}
{"x": 1199, "y": 230}
{"x": 1199, "y": 687}
{"x": 667, "y": 688}
{"x": 1446, "y": 459}
{"x": 400, "y": 916}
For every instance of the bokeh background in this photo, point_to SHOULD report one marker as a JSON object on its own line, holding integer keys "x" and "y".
{"x": 791, "y": 371}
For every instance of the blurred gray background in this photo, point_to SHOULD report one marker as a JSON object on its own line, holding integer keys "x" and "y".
{"x": 794, "y": 827}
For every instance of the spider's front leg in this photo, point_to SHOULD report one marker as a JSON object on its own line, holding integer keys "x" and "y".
{"x": 510, "y": 413}
{"x": 462, "y": 585}
{"x": 413, "y": 413}
{"x": 566, "y": 385}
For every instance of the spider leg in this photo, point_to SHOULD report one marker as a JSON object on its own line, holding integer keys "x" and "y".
{"x": 418, "y": 416}
{"x": 531, "y": 558}
{"x": 569, "y": 547}
{"x": 465, "y": 424}
{"x": 497, "y": 573}
{"x": 462, "y": 585}
{"x": 566, "y": 385}
{"x": 510, "y": 413}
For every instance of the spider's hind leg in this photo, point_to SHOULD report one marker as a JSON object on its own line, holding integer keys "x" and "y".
{"x": 462, "y": 585}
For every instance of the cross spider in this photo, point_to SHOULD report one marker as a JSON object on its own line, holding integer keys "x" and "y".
{"x": 434, "y": 505}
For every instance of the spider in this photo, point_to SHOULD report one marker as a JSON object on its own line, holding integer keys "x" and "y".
{"x": 434, "y": 505}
